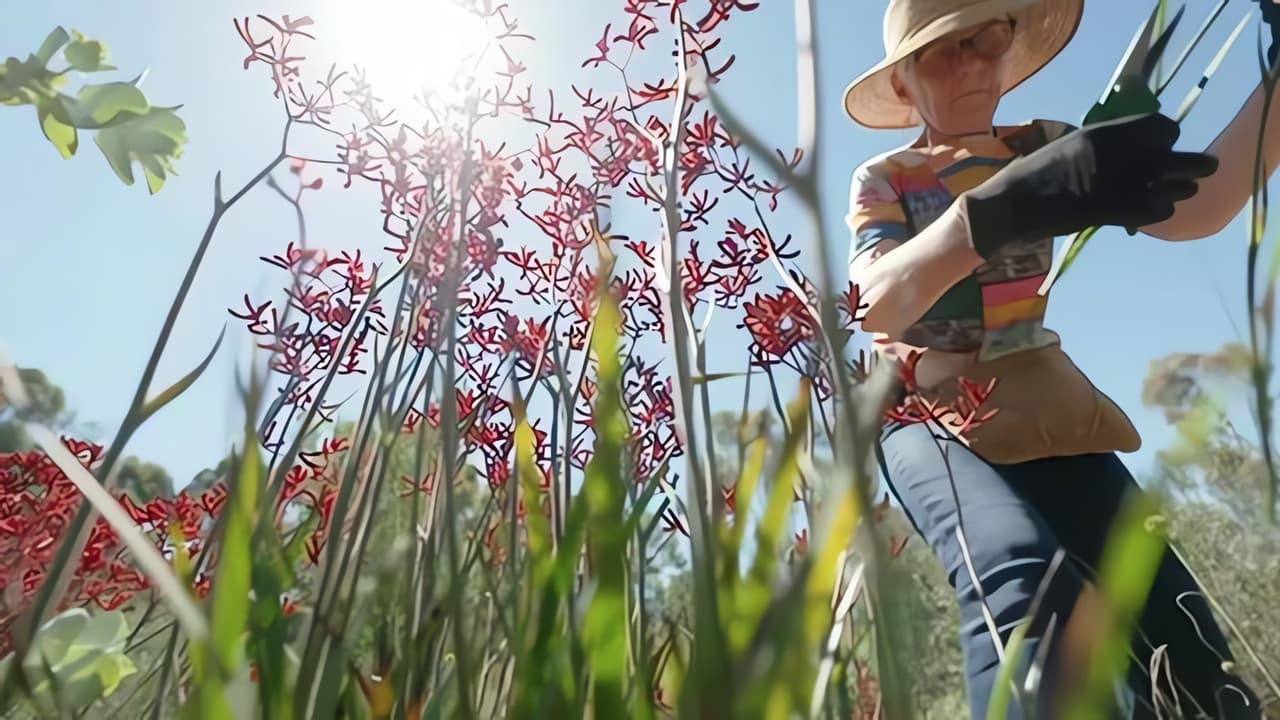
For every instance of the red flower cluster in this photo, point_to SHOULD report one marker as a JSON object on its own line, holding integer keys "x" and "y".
{"x": 38, "y": 501}
{"x": 37, "y": 504}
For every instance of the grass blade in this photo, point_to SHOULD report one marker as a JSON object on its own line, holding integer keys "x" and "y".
{"x": 1066, "y": 258}
{"x": 166, "y": 396}
{"x": 1128, "y": 568}
{"x": 605, "y": 632}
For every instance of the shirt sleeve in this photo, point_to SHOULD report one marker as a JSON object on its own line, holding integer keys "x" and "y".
{"x": 875, "y": 210}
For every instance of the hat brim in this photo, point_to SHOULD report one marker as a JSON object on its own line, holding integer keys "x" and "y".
{"x": 1044, "y": 29}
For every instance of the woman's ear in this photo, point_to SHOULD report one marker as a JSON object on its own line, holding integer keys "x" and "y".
{"x": 899, "y": 88}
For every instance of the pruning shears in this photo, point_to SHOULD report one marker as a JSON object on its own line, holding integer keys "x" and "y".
{"x": 1131, "y": 90}
{"x": 1134, "y": 90}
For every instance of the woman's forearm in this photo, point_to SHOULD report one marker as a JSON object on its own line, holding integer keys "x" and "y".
{"x": 900, "y": 285}
{"x": 1223, "y": 195}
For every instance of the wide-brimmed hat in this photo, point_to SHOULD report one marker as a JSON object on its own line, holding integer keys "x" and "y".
{"x": 1044, "y": 27}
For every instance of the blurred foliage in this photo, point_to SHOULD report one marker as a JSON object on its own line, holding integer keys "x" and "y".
{"x": 1215, "y": 478}
{"x": 78, "y": 659}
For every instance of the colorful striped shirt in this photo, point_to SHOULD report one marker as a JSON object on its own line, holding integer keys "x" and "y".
{"x": 996, "y": 310}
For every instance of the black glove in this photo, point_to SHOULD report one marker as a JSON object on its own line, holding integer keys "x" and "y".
{"x": 1121, "y": 172}
{"x": 1271, "y": 16}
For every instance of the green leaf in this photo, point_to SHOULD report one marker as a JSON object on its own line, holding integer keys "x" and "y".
{"x": 231, "y": 583}
{"x": 527, "y": 471}
{"x": 712, "y": 377}
{"x": 51, "y": 45}
{"x": 1130, "y": 560}
{"x": 86, "y": 55}
{"x": 26, "y": 82}
{"x": 77, "y": 657}
{"x": 167, "y": 395}
{"x": 106, "y": 104}
{"x": 268, "y": 628}
{"x": 1003, "y": 691}
{"x": 1068, "y": 256}
{"x": 605, "y": 631}
{"x": 62, "y": 135}
{"x": 217, "y": 663}
{"x": 542, "y": 662}
{"x": 155, "y": 141}
{"x": 782, "y": 494}
{"x": 745, "y": 491}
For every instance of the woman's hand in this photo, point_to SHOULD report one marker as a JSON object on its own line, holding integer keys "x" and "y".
{"x": 1123, "y": 172}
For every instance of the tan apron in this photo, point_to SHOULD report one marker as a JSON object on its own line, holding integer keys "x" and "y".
{"x": 1045, "y": 406}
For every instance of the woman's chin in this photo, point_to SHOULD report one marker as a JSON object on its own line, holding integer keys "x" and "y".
{"x": 973, "y": 104}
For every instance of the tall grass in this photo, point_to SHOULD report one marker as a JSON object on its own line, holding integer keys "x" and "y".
{"x": 478, "y": 533}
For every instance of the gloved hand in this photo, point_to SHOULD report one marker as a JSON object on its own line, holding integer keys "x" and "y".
{"x": 1120, "y": 172}
{"x": 1271, "y": 16}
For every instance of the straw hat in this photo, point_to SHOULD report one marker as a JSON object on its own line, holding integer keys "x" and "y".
{"x": 1043, "y": 28}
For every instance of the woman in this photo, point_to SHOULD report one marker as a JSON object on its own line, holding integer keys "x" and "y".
{"x": 952, "y": 238}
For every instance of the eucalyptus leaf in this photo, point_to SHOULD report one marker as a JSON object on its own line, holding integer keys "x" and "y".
{"x": 77, "y": 656}
{"x": 54, "y": 42}
{"x": 155, "y": 141}
{"x": 60, "y": 134}
{"x": 86, "y": 55}
{"x": 25, "y": 83}
{"x": 106, "y": 104}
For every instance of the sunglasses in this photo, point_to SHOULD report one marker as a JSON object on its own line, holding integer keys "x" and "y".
{"x": 988, "y": 43}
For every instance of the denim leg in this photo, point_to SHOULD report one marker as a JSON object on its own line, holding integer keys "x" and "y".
{"x": 1010, "y": 546}
{"x": 1079, "y": 497}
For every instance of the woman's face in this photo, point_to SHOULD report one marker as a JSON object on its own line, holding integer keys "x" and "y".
{"x": 954, "y": 82}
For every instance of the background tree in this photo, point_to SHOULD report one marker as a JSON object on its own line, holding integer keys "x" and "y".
{"x": 48, "y": 407}
{"x": 140, "y": 479}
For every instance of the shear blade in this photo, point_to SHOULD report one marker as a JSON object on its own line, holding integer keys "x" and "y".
{"x": 1143, "y": 52}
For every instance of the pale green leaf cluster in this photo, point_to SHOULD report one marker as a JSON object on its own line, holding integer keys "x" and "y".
{"x": 127, "y": 128}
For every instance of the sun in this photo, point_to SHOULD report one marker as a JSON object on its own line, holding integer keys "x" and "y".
{"x": 409, "y": 48}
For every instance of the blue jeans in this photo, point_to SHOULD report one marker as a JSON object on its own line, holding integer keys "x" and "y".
{"x": 1018, "y": 521}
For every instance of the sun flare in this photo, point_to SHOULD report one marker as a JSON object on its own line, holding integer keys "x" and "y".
{"x": 410, "y": 48}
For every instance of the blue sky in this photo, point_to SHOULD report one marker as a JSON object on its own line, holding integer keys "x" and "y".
{"x": 89, "y": 266}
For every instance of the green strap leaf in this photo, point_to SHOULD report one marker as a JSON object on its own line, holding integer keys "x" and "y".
{"x": 167, "y": 395}
{"x": 605, "y": 631}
